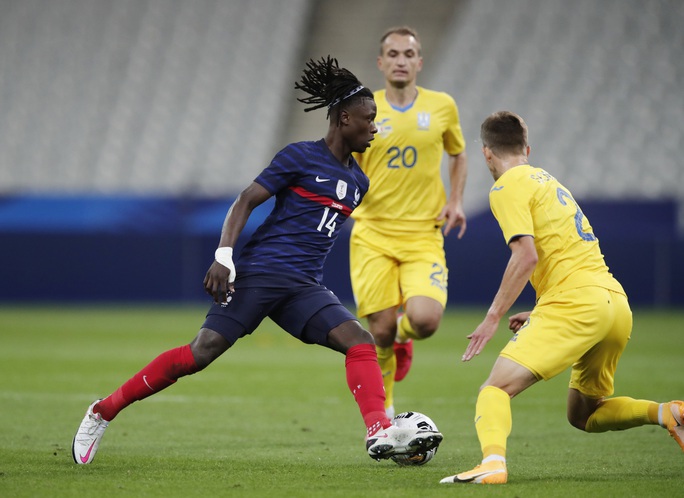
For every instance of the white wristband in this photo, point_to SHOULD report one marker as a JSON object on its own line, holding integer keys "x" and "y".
{"x": 224, "y": 255}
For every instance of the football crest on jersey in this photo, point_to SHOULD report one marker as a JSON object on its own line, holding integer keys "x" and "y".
{"x": 341, "y": 189}
{"x": 383, "y": 126}
{"x": 423, "y": 120}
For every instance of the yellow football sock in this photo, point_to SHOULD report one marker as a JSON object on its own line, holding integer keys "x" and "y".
{"x": 616, "y": 414}
{"x": 493, "y": 420}
{"x": 388, "y": 367}
{"x": 405, "y": 331}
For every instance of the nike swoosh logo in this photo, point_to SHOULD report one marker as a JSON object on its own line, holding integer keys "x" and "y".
{"x": 320, "y": 180}
{"x": 84, "y": 459}
{"x": 494, "y": 189}
{"x": 147, "y": 383}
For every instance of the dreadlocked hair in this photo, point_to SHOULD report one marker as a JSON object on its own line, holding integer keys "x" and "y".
{"x": 329, "y": 85}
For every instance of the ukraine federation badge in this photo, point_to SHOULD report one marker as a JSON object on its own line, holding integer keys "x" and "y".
{"x": 423, "y": 120}
{"x": 341, "y": 189}
{"x": 383, "y": 126}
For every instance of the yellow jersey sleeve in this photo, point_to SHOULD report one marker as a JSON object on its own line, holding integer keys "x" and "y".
{"x": 529, "y": 201}
{"x": 404, "y": 162}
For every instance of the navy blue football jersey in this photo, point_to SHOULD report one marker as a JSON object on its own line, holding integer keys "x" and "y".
{"x": 314, "y": 196}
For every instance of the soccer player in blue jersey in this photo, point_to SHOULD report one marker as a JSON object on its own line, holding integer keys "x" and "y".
{"x": 278, "y": 273}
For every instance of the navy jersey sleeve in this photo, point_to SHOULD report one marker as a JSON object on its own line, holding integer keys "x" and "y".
{"x": 284, "y": 170}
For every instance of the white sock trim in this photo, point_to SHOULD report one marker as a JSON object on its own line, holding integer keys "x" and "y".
{"x": 661, "y": 407}
{"x": 494, "y": 458}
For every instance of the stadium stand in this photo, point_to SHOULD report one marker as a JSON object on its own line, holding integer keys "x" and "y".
{"x": 600, "y": 84}
{"x": 143, "y": 96}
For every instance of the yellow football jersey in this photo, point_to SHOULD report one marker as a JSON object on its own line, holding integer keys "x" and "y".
{"x": 404, "y": 161}
{"x": 529, "y": 201}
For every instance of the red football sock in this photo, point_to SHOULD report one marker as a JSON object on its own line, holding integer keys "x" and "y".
{"x": 365, "y": 382}
{"x": 159, "y": 374}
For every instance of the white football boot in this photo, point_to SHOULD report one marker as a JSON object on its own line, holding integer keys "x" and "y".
{"x": 88, "y": 436}
{"x": 393, "y": 440}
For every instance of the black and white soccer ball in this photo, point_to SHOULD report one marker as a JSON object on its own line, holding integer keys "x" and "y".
{"x": 414, "y": 420}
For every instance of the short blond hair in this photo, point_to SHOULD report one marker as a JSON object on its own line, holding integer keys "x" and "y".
{"x": 402, "y": 31}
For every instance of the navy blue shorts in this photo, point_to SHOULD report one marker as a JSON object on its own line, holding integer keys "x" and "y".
{"x": 289, "y": 300}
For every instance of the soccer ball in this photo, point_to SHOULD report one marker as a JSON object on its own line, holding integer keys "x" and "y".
{"x": 414, "y": 420}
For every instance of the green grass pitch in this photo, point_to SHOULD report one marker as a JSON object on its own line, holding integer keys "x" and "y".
{"x": 273, "y": 417}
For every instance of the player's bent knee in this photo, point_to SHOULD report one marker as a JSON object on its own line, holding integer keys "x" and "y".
{"x": 361, "y": 337}
{"x": 581, "y": 408}
{"x": 207, "y": 346}
{"x": 577, "y": 423}
{"x": 424, "y": 333}
{"x": 366, "y": 337}
{"x": 349, "y": 334}
{"x": 383, "y": 338}
{"x": 425, "y": 327}
{"x": 383, "y": 327}
{"x": 578, "y": 416}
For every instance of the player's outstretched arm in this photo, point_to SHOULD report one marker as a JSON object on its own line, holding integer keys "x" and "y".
{"x": 219, "y": 278}
{"x": 518, "y": 271}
